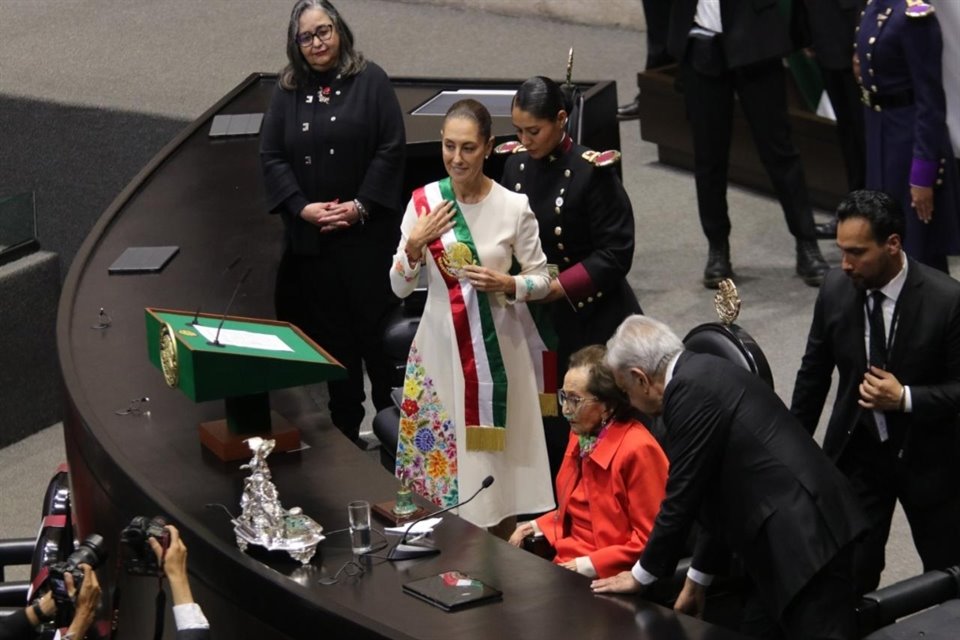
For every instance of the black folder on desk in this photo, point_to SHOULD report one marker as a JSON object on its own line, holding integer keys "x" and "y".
{"x": 143, "y": 260}
{"x": 452, "y": 591}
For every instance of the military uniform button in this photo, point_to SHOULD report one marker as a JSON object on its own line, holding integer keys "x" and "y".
{"x": 305, "y": 126}
{"x": 522, "y": 167}
{"x": 558, "y": 231}
{"x": 580, "y": 305}
{"x": 562, "y": 191}
{"x": 333, "y": 118}
{"x": 560, "y": 246}
{"x": 558, "y": 202}
{"x": 307, "y": 160}
{"x": 589, "y": 298}
{"x": 877, "y": 108}
{"x": 872, "y": 40}
{"x": 566, "y": 259}
{"x": 599, "y": 294}
{"x": 873, "y": 88}
{"x": 517, "y": 186}
{"x": 556, "y": 210}
{"x": 566, "y": 173}
{"x": 332, "y": 151}
{"x": 939, "y": 182}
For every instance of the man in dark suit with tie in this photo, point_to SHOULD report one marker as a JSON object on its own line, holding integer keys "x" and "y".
{"x": 735, "y": 47}
{"x": 759, "y": 486}
{"x": 894, "y": 431}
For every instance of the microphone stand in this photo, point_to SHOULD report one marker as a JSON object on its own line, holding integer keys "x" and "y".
{"x": 400, "y": 551}
{"x": 243, "y": 278}
{"x": 229, "y": 267}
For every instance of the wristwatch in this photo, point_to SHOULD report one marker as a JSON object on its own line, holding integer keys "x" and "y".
{"x": 38, "y": 612}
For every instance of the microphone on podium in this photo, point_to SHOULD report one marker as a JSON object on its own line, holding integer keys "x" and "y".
{"x": 401, "y": 551}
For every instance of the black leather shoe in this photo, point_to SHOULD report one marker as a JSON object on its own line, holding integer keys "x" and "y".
{"x": 718, "y": 265}
{"x": 810, "y": 263}
{"x": 629, "y": 111}
{"x": 827, "y": 230}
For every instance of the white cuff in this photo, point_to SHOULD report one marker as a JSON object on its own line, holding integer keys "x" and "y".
{"x": 641, "y": 575}
{"x": 907, "y": 400}
{"x": 585, "y": 566}
{"x": 536, "y": 528}
{"x": 701, "y": 578}
{"x": 190, "y": 616}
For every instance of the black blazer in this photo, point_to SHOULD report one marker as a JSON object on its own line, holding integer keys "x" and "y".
{"x": 753, "y": 30}
{"x": 925, "y": 355}
{"x": 758, "y": 484}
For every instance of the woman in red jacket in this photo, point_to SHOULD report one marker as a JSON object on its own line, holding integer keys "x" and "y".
{"x": 612, "y": 479}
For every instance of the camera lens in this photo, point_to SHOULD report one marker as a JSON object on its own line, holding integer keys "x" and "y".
{"x": 89, "y": 552}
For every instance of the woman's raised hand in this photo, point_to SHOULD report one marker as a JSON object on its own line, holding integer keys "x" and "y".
{"x": 430, "y": 226}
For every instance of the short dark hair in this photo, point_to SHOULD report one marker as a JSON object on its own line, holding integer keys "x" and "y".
{"x": 880, "y": 210}
{"x": 297, "y": 72}
{"x": 600, "y": 380}
{"x": 472, "y": 110}
{"x": 541, "y": 97}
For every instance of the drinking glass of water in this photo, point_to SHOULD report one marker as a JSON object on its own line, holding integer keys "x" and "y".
{"x": 359, "y": 514}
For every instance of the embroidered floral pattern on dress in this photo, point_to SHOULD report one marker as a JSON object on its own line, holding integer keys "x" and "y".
{"x": 401, "y": 268}
{"x": 427, "y": 443}
{"x": 528, "y": 283}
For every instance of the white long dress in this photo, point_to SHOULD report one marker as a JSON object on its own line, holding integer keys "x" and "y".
{"x": 432, "y": 453}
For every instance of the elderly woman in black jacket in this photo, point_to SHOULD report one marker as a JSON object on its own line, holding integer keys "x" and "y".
{"x": 332, "y": 152}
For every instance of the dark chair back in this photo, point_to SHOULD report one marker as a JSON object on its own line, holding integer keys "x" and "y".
{"x": 732, "y": 343}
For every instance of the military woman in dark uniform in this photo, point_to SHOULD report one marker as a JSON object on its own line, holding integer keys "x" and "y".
{"x": 585, "y": 217}
{"x": 899, "y": 49}
{"x": 332, "y": 152}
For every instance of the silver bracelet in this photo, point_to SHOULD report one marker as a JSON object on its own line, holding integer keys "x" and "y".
{"x": 361, "y": 210}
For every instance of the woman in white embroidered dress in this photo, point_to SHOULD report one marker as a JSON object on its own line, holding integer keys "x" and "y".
{"x": 470, "y": 403}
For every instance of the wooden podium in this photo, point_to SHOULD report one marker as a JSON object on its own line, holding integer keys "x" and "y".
{"x": 238, "y": 360}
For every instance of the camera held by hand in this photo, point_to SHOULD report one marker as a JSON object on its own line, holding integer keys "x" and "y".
{"x": 91, "y": 552}
{"x": 138, "y": 557}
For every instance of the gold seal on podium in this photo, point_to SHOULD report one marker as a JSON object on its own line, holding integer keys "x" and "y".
{"x": 169, "y": 362}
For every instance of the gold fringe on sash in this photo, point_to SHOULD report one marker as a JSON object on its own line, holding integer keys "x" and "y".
{"x": 548, "y": 405}
{"x": 481, "y": 438}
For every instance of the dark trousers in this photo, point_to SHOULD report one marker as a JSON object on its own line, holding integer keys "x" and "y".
{"x": 657, "y": 15}
{"x": 844, "y": 94}
{"x": 709, "y": 100}
{"x": 879, "y": 477}
{"x": 825, "y": 609}
{"x": 342, "y": 299}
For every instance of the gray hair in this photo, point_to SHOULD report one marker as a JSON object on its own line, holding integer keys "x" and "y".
{"x": 297, "y": 72}
{"x": 643, "y": 343}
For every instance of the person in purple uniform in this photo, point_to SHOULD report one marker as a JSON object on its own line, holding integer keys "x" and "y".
{"x": 899, "y": 49}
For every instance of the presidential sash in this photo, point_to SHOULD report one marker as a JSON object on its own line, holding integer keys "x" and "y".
{"x": 484, "y": 376}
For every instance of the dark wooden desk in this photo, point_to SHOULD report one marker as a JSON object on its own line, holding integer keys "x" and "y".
{"x": 206, "y": 197}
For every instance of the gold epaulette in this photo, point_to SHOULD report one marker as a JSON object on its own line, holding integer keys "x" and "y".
{"x": 513, "y": 146}
{"x": 602, "y": 158}
{"x": 919, "y": 9}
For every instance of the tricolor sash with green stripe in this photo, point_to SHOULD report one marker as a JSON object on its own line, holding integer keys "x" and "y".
{"x": 484, "y": 376}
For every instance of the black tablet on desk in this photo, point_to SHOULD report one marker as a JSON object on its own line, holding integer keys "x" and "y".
{"x": 452, "y": 590}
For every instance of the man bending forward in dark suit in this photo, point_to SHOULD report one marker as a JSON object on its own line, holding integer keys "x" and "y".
{"x": 894, "y": 431}
{"x": 743, "y": 467}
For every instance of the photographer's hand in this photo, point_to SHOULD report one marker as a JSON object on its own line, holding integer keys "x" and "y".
{"x": 174, "y": 564}
{"x": 87, "y": 600}
{"x": 48, "y": 608}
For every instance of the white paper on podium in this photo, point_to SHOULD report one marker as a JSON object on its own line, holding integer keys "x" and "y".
{"x": 246, "y": 339}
